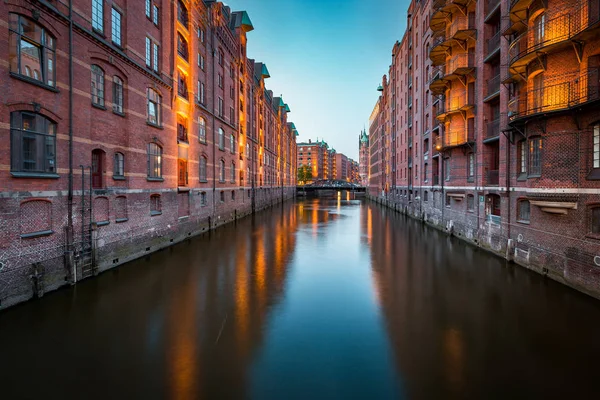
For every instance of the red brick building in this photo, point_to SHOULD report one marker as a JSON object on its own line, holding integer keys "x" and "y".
{"x": 150, "y": 126}
{"x": 490, "y": 109}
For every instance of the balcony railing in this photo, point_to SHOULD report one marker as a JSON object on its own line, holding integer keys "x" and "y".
{"x": 493, "y": 177}
{"x": 493, "y": 85}
{"x": 457, "y": 137}
{"x": 492, "y": 129}
{"x": 550, "y": 32}
{"x": 460, "y": 61}
{"x": 434, "y": 72}
{"x": 569, "y": 90}
{"x": 460, "y": 23}
{"x": 456, "y": 102}
{"x": 493, "y": 43}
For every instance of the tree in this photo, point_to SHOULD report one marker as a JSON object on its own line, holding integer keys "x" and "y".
{"x": 308, "y": 173}
{"x": 304, "y": 174}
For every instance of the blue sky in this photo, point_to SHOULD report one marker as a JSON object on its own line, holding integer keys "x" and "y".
{"x": 326, "y": 57}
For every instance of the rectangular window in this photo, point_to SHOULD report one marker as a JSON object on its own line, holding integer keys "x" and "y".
{"x": 232, "y": 173}
{"x": 116, "y": 27}
{"x": 535, "y": 157}
{"x": 202, "y": 169}
{"x": 232, "y": 115}
{"x": 154, "y": 161}
{"x": 148, "y": 8}
{"x": 33, "y": 143}
{"x": 98, "y": 15}
{"x": 524, "y": 211}
{"x": 470, "y": 202}
{"x": 220, "y": 107}
{"x": 155, "y": 51}
{"x": 202, "y": 94}
{"x": 447, "y": 169}
{"x": 447, "y": 201}
{"x": 117, "y": 95}
{"x": 471, "y": 166}
{"x": 596, "y": 148}
{"x": 220, "y": 80}
{"x": 119, "y": 165}
{"x": 203, "y": 199}
{"x": 155, "y": 15}
{"x": 522, "y": 155}
{"x": 595, "y": 228}
{"x": 148, "y": 52}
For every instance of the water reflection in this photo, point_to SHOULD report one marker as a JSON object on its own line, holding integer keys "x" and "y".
{"x": 465, "y": 324}
{"x": 317, "y": 299}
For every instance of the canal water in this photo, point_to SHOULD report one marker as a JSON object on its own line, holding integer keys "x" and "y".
{"x": 318, "y": 299}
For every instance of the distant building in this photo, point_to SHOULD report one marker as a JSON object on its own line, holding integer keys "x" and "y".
{"x": 363, "y": 158}
{"x": 342, "y": 170}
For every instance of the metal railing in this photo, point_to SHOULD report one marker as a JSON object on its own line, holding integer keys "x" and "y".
{"x": 463, "y": 60}
{"x": 435, "y": 72}
{"x": 493, "y": 43}
{"x": 457, "y": 136}
{"x": 493, "y": 85}
{"x": 550, "y": 32}
{"x": 455, "y": 102}
{"x": 460, "y": 23}
{"x": 569, "y": 90}
{"x": 492, "y": 129}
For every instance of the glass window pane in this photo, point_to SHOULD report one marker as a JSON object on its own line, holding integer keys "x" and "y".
{"x": 596, "y": 220}
{"x": 31, "y": 56}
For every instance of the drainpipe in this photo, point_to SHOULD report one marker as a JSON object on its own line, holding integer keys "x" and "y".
{"x": 70, "y": 262}
{"x": 214, "y": 155}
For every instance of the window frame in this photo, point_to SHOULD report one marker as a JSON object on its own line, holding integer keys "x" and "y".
{"x": 157, "y": 102}
{"x": 118, "y": 165}
{"x": 534, "y": 167}
{"x": 118, "y": 92}
{"x": 202, "y": 129}
{"x": 155, "y": 205}
{"x": 46, "y": 48}
{"x": 98, "y": 16}
{"x": 221, "y": 139}
{"x": 594, "y": 229}
{"x": 203, "y": 169}
{"x": 221, "y": 171}
{"x": 97, "y": 90}
{"x": 520, "y": 209}
{"x": 42, "y": 140}
{"x": 117, "y": 26}
{"x": 154, "y": 161}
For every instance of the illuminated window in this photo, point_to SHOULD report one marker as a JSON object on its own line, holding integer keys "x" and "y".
{"x": 182, "y": 47}
{"x": 535, "y": 157}
{"x": 596, "y": 148}
{"x": 202, "y": 129}
{"x": 539, "y": 28}
{"x": 182, "y": 89}
{"x": 154, "y": 161}
{"x": 182, "y": 13}
{"x": 31, "y": 48}
{"x": 154, "y": 109}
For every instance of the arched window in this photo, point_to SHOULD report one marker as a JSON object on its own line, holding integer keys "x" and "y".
{"x": 232, "y": 144}
{"x": 117, "y": 95}
{"x": 154, "y": 161}
{"x": 31, "y": 48}
{"x": 100, "y": 211}
{"x": 182, "y": 46}
{"x": 97, "y": 85}
{"x": 202, "y": 169}
{"x": 119, "y": 166}
{"x": 221, "y": 139}
{"x": 539, "y": 28}
{"x": 155, "y": 205}
{"x": 203, "y": 199}
{"x": 523, "y": 211}
{"x": 33, "y": 143}
{"x": 232, "y": 172}
{"x": 201, "y": 129}
{"x": 154, "y": 111}
{"x": 222, "y": 171}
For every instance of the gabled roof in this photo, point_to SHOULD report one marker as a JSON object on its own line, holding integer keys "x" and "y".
{"x": 261, "y": 71}
{"x": 240, "y": 19}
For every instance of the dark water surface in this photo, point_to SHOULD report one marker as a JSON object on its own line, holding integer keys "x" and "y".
{"x": 310, "y": 300}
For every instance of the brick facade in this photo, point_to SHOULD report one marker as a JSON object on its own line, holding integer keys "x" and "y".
{"x": 490, "y": 109}
{"x": 173, "y": 133}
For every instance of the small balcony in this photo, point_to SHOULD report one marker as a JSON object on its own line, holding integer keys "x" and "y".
{"x": 492, "y": 130}
{"x": 455, "y": 103}
{"x": 560, "y": 93}
{"x": 552, "y": 35}
{"x": 437, "y": 85}
{"x": 455, "y": 137}
{"x": 492, "y": 45}
{"x": 440, "y": 10}
{"x": 460, "y": 65}
{"x": 493, "y": 88}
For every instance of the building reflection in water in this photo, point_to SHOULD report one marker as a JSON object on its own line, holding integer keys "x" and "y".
{"x": 465, "y": 324}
